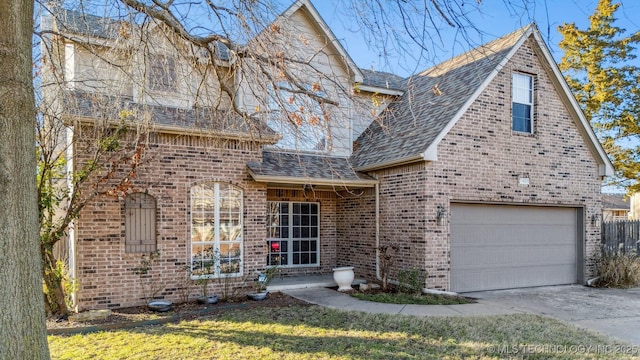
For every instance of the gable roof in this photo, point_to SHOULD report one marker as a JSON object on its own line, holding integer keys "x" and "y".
{"x": 411, "y": 128}
{"x": 309, "y": 9}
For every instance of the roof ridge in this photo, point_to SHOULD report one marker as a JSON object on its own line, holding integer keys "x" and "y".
{"x": 512, "y": 38}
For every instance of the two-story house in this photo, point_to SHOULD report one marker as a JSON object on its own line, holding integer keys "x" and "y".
{"x": 482, "y": 170}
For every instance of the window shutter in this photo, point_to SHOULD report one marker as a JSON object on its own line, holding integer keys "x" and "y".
{"x": 140, "y": 223}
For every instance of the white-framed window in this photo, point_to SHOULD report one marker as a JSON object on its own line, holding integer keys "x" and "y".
{"x": 522, "y": 102}
{"x": 162, "y": 73}
{"x": 216, "y": 230}
{"x": 140, "y": 223}
{"x": 302, "y": 121}
{"x": 293, "y": 234}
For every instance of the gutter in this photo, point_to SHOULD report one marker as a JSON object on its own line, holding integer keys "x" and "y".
{"x": 395, "y": 162}
{"x": 311, "y": 181}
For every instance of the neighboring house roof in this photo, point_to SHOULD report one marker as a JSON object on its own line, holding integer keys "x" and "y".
{"x": 293, "y": 168}
{"x": 615, "y": 202}
{"x": 205, "y": 121}
{"x": 411, "y": 128}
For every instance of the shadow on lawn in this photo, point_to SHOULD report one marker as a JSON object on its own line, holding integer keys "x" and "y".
{"x": 324, "y": 332}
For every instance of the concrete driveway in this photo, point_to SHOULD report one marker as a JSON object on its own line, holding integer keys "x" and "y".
{"x": 613, "y": 312}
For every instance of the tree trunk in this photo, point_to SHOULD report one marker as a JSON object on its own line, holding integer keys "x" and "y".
{"x": 55, "y": 302}
{"x": 22, "y": 320}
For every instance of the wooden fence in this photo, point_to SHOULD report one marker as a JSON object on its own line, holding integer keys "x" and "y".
{"x": 621, "y": 237}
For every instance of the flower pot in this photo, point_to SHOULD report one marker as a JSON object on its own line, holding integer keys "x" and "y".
{"x": 159, "y": 305}
{"x": 343, "y": 276}
{"x": 257, "y": 295}
{"x": 210, "y": 299}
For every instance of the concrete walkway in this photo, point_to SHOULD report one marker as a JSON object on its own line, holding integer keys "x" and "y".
{"x": 612, "y": 312}
{"x": 335, "y": 300}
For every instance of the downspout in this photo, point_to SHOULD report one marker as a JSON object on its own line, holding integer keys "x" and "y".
{"x": 377, "y": 189}
{"x": 69, "y": 134}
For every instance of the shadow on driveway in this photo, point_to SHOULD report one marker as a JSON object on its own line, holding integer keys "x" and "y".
{"x": 613, "y": 312}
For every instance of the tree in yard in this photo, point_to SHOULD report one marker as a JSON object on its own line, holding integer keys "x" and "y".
{"x": 599, "y": 66}
{"x": 22, "y": 326}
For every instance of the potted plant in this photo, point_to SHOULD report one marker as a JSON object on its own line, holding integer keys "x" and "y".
{"x": 261, "y": 283}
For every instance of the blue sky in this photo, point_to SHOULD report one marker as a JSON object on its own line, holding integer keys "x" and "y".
{"x": 492, "y": 17}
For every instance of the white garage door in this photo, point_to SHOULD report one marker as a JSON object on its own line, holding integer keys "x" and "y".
{"x": 503, "y": 247}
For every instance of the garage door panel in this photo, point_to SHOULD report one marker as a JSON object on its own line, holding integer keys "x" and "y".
{"x": 511, "y": 256}
{"x": 498, "y": 235}
{"x": 500, "y": 279}
{"x": 504, "y": 246}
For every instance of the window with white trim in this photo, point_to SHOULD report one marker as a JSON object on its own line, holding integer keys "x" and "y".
{"x": 293, "y": 234}
{"x": 216, "y": 230}
{"x": 522, "y": 102}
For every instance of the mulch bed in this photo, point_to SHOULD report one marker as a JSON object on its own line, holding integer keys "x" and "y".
{"x": 141, "y": 315}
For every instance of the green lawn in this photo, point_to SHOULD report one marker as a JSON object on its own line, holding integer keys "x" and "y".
{"x": 311, "y": 332}
{"x": 420, "y": 299}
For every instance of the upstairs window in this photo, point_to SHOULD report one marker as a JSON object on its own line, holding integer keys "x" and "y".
{"x": 522, "y": 103}
{"x": 140, "y": 223}
{"x": 302, "y": 121}
{"x": 162, "y": 74}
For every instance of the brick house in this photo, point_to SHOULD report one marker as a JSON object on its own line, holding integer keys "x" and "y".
{"x": 482, "y": 170}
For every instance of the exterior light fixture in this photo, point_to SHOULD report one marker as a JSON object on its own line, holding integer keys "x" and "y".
{"x": 441, "y": 216}
{"x": 595, "y": 218}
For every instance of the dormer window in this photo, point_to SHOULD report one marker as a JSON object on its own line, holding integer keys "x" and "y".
{"x": 162, "y": 73}
{"x": 522, "y": 102}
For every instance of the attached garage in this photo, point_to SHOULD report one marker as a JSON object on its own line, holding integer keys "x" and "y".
{"x": 509, "y": 246}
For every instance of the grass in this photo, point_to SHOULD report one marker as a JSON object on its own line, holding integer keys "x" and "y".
{"x": 403, "y": 298}
{"x": 311, "y": 332}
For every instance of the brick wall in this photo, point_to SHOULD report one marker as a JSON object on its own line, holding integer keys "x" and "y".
{"x": 481, "y": 159}
{"x": 105, "y": 271}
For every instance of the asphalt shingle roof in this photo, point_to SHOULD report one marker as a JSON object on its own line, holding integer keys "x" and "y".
{"x": 306, "y": 166}
{"x": 382, "y": 79}
{"x": 430, "y": 101}
{"x": 206, "y": 119}
{"x": 82, "y": 23}
{"x": 615, "y": 201}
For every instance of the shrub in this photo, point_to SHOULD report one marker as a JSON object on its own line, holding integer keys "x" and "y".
{"x": 618, "y": 271}
{"x": 411, "y": 281}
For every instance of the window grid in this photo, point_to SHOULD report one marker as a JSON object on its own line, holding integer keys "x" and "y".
{"x": 216, "y": 230}
{"x": 522, "y": 103}
{"x": 293, "y": 234}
